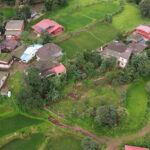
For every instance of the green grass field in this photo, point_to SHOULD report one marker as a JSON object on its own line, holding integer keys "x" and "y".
{"x": 92, "y": 39}
{"x": 28, "y": 143}
{"x": 129, "y": 18}
{"x": 11, "y": 124}
{"x": 64, "y": 142}
{"x": 8, "y": 12}
{"x": 4, "y": 110}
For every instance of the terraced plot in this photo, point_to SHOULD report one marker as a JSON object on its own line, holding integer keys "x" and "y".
{"x": 11, "y": 124}
{"x": 28, "y": 143}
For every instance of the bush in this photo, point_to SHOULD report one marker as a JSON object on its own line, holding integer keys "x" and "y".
{"x": 89, "y": 144}
{"x": 106, "y": 116}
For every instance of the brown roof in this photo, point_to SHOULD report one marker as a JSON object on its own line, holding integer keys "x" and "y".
{"x": 14, "y": 25}
{"x": 49, "y": 50}
{"x": 12, "y": 32}
{"x": 9, "y": 44}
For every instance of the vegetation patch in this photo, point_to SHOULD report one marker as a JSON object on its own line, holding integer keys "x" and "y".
{"x": 9, "y": 125}
{"x": 30, "y": 143}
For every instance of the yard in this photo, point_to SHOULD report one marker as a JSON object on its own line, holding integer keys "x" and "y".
{"x": 8, "y": 12}
{"x": 11, "y": 124}
{"x": 92, "y": 39}
{"x": 28, "y": 143}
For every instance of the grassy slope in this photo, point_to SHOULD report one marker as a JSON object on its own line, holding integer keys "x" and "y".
{"x": 12, "y": 124}
{"x": 64, "y": 142}
{"x": 29, "y": 143}
{"x": 129, "y": 18}
{"x": 8, "y": 12}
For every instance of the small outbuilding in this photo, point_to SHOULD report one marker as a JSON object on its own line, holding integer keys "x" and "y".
{"x": 14, "y": 29}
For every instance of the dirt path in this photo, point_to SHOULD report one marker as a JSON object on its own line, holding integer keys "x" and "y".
{"x": 79, "y": 130}
{"x": 112, "y": 143}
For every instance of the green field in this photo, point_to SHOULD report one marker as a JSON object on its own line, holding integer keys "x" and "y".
{"x": 4, "y": 110}
{"x": 8, "y": 12}
{"x": 64, "y": 142}
{"x": 92, "y": 39}
{"x": 11, "y": 124}
{"x": 129, "y": 18}
{"x": 28, "y": 143}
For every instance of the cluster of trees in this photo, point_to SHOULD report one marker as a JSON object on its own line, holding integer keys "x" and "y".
{"x": 52, "y": 4}
{"x": 22, "y": 13}
{"x": 8, "y": 2}
{"x": 36, "y": 92}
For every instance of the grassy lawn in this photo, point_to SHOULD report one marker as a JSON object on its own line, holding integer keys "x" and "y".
{"x": 91, "y": 39}
{"x": 64, "y": 142}
{"x": 30, "y": 143}
{"x": 15, "y": 82}
{"x": 4, "y": 109}
{"x": 129, "y": 18}
{"x": 8, "y": 12}
{"x": 11, "y": 124}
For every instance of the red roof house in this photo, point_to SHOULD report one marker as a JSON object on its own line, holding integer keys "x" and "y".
{"x": 127, "y": 147}
{"x": 59, "y": 69}
{"x": 143, "y": 30}
{"x": 48, "y": 25}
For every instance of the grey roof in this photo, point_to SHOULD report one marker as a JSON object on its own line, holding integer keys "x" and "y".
{"x": 45, "y": 65}
{"x": 9, "y": 44}
{"x": 118, "y": 46}
{"x": 117, "y": 49}
{"x": 49, "y": 50}
{"x": 137, "y": 48}
{"x": 14, "y": 25}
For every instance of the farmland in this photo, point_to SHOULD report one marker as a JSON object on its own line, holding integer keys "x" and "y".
{"x": 85, "y": 25}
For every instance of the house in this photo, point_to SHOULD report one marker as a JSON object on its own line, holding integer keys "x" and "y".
{"x": 9, "y": 45}
{"x": 14, "y": 29}
{"x": 50, "y": 26}
{"x": 30, "y": 52}
{"x": 3, "y": 78}
{"x": 135, "y": 38}
{"x": 49, "y": 51}
{"x": 6, "y": 61}
{"x": 143, "y": 30}
{"x": 119, "y": 50}
{"x": 50, "y": 68}
{"x": 127, "y": 147}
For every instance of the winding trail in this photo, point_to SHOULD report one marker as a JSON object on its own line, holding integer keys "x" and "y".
{"x": 112, "y": 143}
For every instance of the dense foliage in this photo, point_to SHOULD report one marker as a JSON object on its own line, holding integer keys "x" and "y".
{"x": 89, "y": 144}
{"x": 106, "y": 115}
{"x": 145, "y": 8}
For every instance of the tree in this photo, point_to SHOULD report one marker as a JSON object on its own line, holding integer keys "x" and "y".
{"x": 45, "y": 36}
{"x": 106, "y": 116}
{"x": 144, "y": 6}
{"x": 30, "y": 95}
{"x": 23, "y": 13}
{"x": 89, "y": 144}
